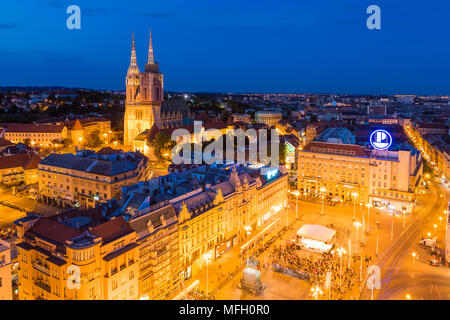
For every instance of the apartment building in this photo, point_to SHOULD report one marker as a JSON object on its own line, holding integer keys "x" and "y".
{"x": 5, "y": 271}
{"x": 349, "y": 172}
{"x": 77, "y": 256}
{"x": 207, "y": 210}
{"x": 20, "y": 168}
{"x": 89, "y": 177}
{"x": 269, "y": 118}
{"x": 42, "y": 135}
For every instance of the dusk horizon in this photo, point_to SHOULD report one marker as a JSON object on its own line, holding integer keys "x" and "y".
{"x": 320, "y": 47}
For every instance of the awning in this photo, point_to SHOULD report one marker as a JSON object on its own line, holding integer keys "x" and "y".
{"x": 316, "y": 232}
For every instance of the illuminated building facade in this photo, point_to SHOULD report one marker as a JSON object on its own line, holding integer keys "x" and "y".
{"x": 5, "y": 271}
{"x": 87, "y": 177}
{"x": 43, "y": 135}
{"x": 350, "y": 173}
{"x": 19, "y": 168}
{"x": 270, "y": 118}
{"x": 157, "y": 236}
{"x": 77, "y": 256}
{"x": 212, "y": 207}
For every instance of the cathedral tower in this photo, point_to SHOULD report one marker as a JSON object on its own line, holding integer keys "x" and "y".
{"x": 144, "y": 97}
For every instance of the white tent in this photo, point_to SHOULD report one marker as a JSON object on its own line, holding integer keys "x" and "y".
{"x": 316, "y": 232}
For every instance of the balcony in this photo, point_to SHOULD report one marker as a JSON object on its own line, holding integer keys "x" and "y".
{"x": 42, "y": 285}
{"x": 42, "y": 268}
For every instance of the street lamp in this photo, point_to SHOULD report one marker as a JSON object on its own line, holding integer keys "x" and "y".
{"x": 296, "y": 193}
{"x": 392, "y": 227}
{"x": 369, "y": 205}
{"x": 404, "y": 218}
{"x": 440, "y": 221}
{"x": 322, "y": 190}
{"x": 435, "y": 229}
{"x": 315, "y": 292}
{"x": 340, "y": 251}
{"x": 357, "y": 224}
{"x": 207, "y": 258}
{"x": 354, "y": 195}
{"x": 414, "y": 258}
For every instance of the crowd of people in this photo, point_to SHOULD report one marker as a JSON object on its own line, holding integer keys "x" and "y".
{"x": 317, "y": 267}
{"x": 198, "y": 295}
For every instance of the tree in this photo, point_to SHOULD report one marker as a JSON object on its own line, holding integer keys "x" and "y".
{"x": 93, "y": 139}
{"x": 27, "y": 141}
{"x": 282, "y": 153}
{"x": 66, "y": 142}
{"x": 162, "y": 144}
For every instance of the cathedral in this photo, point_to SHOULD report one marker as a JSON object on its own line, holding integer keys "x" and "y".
{"x": 145, "y": 106}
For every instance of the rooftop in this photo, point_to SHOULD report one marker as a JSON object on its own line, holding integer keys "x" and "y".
{"x": 106, "y": 164}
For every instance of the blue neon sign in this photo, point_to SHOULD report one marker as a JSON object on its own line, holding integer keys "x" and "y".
{"x": 380, "y": 139}
{"x": 272, "y": 173}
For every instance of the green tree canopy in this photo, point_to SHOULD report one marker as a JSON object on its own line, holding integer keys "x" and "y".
{"x": 93, "y": 139}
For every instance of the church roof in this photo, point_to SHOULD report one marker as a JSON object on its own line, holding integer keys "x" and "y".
{"x": 175, "y": 106}
{"x": 77, "y": 125}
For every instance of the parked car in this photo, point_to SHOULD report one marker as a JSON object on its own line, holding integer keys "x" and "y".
{"x": 435, "y": 262}
{"x": 430, "y": 243}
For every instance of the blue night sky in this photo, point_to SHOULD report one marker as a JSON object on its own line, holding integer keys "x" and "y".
{"x": 231, "y": 46}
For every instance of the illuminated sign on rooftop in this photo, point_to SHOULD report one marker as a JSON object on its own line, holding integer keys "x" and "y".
{"x": 380, "y": 139}
{"x": 271, "y": 173}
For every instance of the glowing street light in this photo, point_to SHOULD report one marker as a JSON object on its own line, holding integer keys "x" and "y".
{"x": 369, "y": 205}
{"x": 316, "y": 292}
{"x": 296, "y": 193}
{"x": 408, "y": 296}
{"x": 354, "y": 195}
{"x": 414, "y": 258}
{"x": 340, "y": 251}
{"x": 322, "y": 190}
{"x": 357, "y": 224}
{"x": 207, "y": 258}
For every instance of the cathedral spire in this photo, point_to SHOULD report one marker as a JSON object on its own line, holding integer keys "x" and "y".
{"x": 133, "y": 68}
{"x": 151, "y": 59}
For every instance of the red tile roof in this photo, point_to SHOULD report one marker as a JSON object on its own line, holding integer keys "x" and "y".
{"x": 53, "y": 231}
{"x": 39, "y": 128}
{"x": 27, "y": 161}
{"x": 112, "y": 229}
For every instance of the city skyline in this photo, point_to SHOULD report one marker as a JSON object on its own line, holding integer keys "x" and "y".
{"x": 232, "y": 47}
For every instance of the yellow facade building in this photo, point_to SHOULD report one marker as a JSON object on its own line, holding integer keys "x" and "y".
{"x": 77, "y": 257}
{"x": 87, "y": 177}
{"x": 5, "y": 271}
{"x": 19, "y": 168}
{"x": 348, "y": 172}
